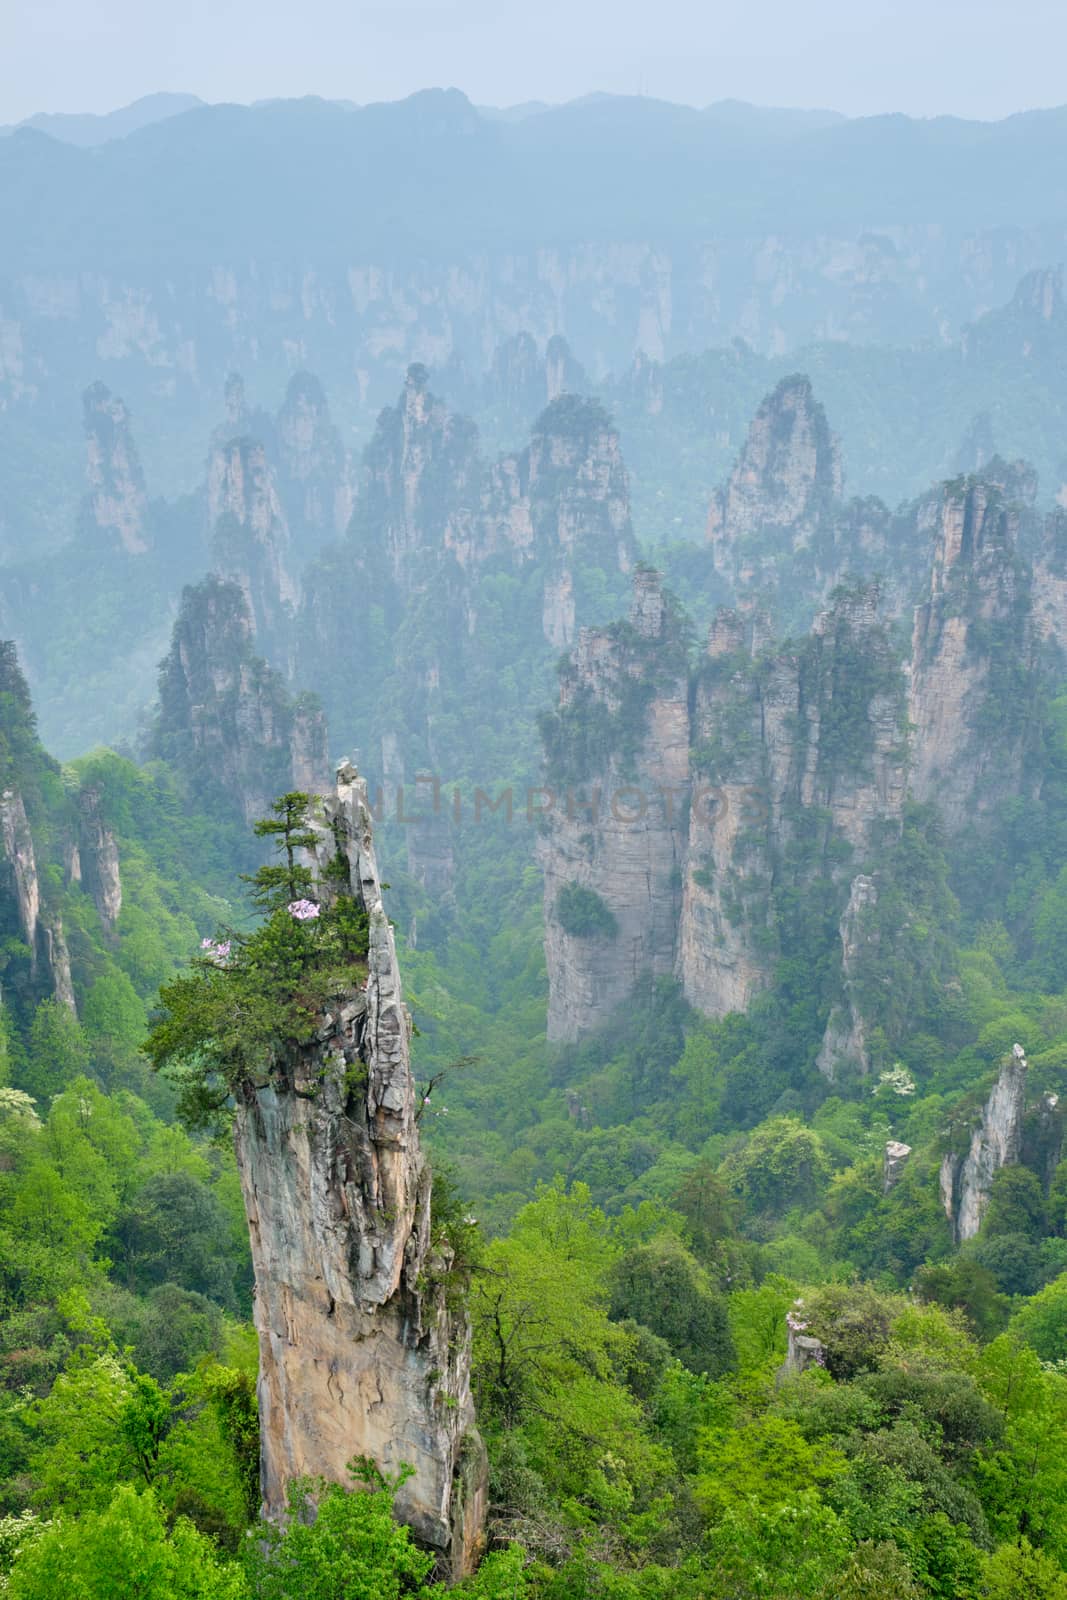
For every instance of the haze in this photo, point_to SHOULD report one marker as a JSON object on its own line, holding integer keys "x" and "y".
{"x": 957, "y": 57}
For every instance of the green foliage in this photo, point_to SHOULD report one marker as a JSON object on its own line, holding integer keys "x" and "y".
{"x": 351, "y": 1546}
{"x": 58, "y": 1052}
{"x": 662, "y": 1287}
{"x": 783, "y": 1164}
{"x": 584, "y": 914}
{"x": 124, "y": 1548}
{"x": 247, "y": 1004}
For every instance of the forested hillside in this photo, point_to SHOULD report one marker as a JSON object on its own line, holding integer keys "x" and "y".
{"x": 655, "y": 1189}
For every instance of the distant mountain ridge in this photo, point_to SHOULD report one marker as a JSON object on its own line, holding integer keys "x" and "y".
{"x": 89, "y": 128}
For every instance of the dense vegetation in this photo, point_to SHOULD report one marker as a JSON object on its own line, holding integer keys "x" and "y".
{"x": 662, "y": 1209}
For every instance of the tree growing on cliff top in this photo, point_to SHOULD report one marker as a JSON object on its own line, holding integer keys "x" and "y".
{"x": 251, "y": 999}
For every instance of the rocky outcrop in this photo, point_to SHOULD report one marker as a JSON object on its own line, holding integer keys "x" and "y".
{"x": 685, "y": 819}
{"x": 523, "y": 379}
{"x": 363, "y": 1349}
{"x": 20, "y": 861}
{"x": 58, "y": 959}
{"x": 893, "y": 1162}
{"x": 967, "y": 1176}
{"x": 315, "y": 477}
{"x": 1023, "y": 326}
{"x": 1049, "y": 583}
{"x": 250, "y": 541}
{"x": 973, "y": 676}
{"x": 787, "y": 477}
{"x": 41, "y": 930}
{"x": 466, "y": 574}
{"x": 783, "y": 798}
{"x": 226, "y": 720}
{"x": 845, "y": 1039}
{"x": 783, "y": 536}
{"x": 117, "y": 503}
{"x": 98, "y": 859}
{"x": 613, "y": 846}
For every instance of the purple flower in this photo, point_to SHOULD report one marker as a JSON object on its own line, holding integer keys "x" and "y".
{"x": 218, "y": 953}
{"x": 303, "y": 910}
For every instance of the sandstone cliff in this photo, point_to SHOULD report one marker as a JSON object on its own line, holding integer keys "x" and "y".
{"x": 98, "y": 859}
{"x": 226, "y": 720}
{"x": 783, "y": 535}
{"x": 26, "y": 912}
{"x": 967, "y": 1176}
{"x": 117, "y": 503}
{"x": 614, "y": 844}
{"x": 973, "y": 662}
{"x": 315, "y": 477}
{"x": 707, "y": 828}
{"x": 800, "y": 758}
{"x": 711, "y": 824}
{"x": 250, "y": 538}
{"x": 466, "y": 574}
{"x": 363, "y": 1348}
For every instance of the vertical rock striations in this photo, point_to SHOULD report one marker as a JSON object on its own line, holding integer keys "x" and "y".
{"x": 799, "y": 767}
{"x": 781, "y": 532}
{"x": 363, "y": 1349}
{"x": 117, "y": 503}
{"x": 973, "y": 678}
{"x": 967, "y": 1177}
{"x": 708, "y": 826}
{"x": 251, "y": 536}
{"x": 98, "y": 859}
{"x": 226, "y": 721}
{"x": 614, "y": 840}
{"x": 466, "y": 573}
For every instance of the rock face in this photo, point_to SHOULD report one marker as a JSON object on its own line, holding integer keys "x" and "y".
{"x": 783, "y": 801}
{"x": 787, "y": 477}
{"x": 614, "y": 844}
{"x": 972, "y": 655}
{"x": 21, "y": 863}
{"x": 524, "y": 378}
{"x": 117, "y": 503}
{"x": 226, "y": 720}
{"x": 315, "y": 476}
{"x": 896, "y": 1154}
{"x": 783, "y": 536}
{"x": 362, "y": 1350}
{"x": 428, "y": 498}
{"x": 967, "y": 1179}
{"x": 467, "y": 575}
{"x": 845, "y": 1040}
{"x": 250, "y": 541}
{"x": 98, "y": 859}
{"x": 719, "y": 802}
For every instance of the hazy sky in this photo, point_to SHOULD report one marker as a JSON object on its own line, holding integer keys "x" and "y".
{"x": 981, "y": 58}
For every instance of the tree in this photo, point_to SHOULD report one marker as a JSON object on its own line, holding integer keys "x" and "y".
{"x": 352, "y": 1547}
{"x": 1042, "y": 1321}
{"x": 1019, "y": 1572}
{"x": 662, "y": 1287}
{"x": 251, "y": 998}
{"x": 547, "y": 1358}
{"x": 782, "y": 1165}
{"x": 969, "y": 1287}
{"x": 58, "y": 1052}
{"x": 1016, "y": 1205}
{"x": 124, "y": 1548}
{"x": 173, "y": 1230}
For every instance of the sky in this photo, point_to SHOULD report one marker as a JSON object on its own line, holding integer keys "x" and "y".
{"x": 974, "y": 58}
